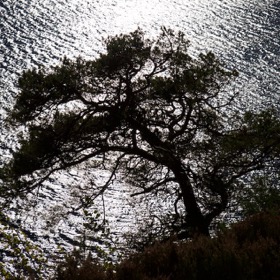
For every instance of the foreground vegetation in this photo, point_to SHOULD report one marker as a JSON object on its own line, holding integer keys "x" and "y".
{"x": 249, "y": 250}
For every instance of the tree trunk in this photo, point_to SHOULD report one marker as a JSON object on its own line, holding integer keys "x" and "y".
{"x": 195, "y": 220}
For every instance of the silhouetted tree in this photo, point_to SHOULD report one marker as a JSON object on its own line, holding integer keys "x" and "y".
{"x": 148, "y": 109}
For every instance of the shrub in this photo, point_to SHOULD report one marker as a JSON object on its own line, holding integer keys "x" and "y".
{"x": 250, "y": 250}
{"x": 76, "y": 267}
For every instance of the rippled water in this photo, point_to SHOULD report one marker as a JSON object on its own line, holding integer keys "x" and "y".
{"x": 245, "y": 34}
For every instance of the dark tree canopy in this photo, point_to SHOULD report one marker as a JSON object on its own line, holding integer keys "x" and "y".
{"x": 151, "y": 111}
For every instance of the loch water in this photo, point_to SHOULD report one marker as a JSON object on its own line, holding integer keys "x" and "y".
{"x": 245, "y": 35}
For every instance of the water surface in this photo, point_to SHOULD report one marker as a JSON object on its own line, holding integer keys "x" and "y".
{"x": 244, "y": 34}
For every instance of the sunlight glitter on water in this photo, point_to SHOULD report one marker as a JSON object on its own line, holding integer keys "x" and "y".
{"x": 244, "y": 34}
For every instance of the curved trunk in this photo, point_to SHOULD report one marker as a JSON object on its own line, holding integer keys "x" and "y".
{"x": 196, "y": 222}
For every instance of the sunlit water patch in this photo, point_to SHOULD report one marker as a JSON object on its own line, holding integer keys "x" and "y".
{"x": 244, "y": 34}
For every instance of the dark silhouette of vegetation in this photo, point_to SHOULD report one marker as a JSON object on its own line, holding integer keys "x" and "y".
{"x": 261, "y": 196}
{"x": 148, "y": 109}
{"x": 249, "y": 250}
{"x": 76, "y": 267}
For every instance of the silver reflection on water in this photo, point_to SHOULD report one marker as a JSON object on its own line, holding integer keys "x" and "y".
{"x": 245, "y": 34}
